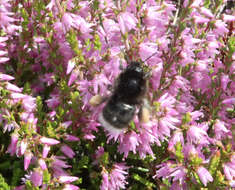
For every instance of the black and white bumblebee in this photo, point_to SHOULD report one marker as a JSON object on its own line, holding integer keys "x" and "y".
{"x": 128, "y": 96}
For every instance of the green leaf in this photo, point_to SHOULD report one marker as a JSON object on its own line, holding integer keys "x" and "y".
{"x": 97, "y": 43}
{"x": 105, "y": 158}
{"x": 186, "y": 118}
{"x": 83, "y": 163}
{"x": 231, "y": 45}
{"x": 214, "y": 163}
{"x": 3, "y": 184}
{"x": 195, "y": 160}
{"x": 46, "y": 177}
{"x": 197, "y": 178}
{"x": 207, "y": 3}
{"x": 143, "y": 181}
{"x": 95, "y": 5}
{"x": 178, "y": 152}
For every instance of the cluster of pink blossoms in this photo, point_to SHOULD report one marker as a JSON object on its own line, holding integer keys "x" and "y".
{"x": 55, "y": 55}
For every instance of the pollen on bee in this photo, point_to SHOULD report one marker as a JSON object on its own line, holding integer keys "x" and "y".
{"x": 145, "y": 115}
{"x": 96, "y": 100}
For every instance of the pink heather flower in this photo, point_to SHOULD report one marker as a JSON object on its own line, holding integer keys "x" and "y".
{"x": 70, "y": 187}
{"x": 116, "y": 179}
{"x": 2, "y": 53}
{"x": 154, "y": 18}
{"x": 229, "y": 101}
{"x": 197, "y": 135}
{"x": 49, "y": 141}
{"x": 147, "y": 50}
{"x": 84, "y": 11}
{"x": 45, "y": 151}
{"x": 127, "y": 21}
{"x": 196, "y": 3}
{"x": 146, "y": 139}
{"x": 176, "y": 138}
{"x": 48, "y": 78}
{"x": 27, "y": 159}
{"x": 2, "y": 40}
{"x": 220, "y": 130}
{"x": 70, "y": 66}
{"x": 85, "y": 27}
{"x": 196, "y": 115}
{"x": 29, "y": 118}
{"x": 73, "y": 77}
{"x": 13, "y": 87}
{"x": 180, "y": 83}
{"x": 100, "y": 82}
{"x": 42, "y": 164}
{"x": 232, "y": 183}
{"x": 67, "y": 179}
{"x": 5, "y": 77}
{"x": 36, "y": 178}
{"x": 52, "y": 115}
{"x": 84, "y": 88}
{"x": 179, "y": 173}
{"x": 224, "y": 81}
{"x": 51, "y": 4}
{"x": 228, "y": 18}
{"x": 190, "y": 151}
{"x": 4, "y": 59}
{"x": 98, "y": 153}
{"x": 128, "y": 143}
{"x": 170, "y": 170}
{"x": 12, "y": 147}
{"x": 229, "y": 169}
{"x": 204, "y": 175}
{"x": 200, "y": 80}
{"x": 111, "y": 31}
{"x": 118, "y": 176}
{"x": 68, "y": 21}
{"x": 220, "y": 27}
{"x": 17, "y": 96}
{"x": 105, "y": 180}
{"x": 59, "y": 163}
{"x": 71, "y": 138}
{"x": 53, "y": 102}
{"x": 200, "y": 19}
{"x": 66, "y": 124}
{"x": 156, "y": 76}
{"x": 166, "y": 124}
{"x": 23, "y": 146}
{"x": 165, "y": 169}
{"x": 28, "y": 102}
{"x": 206, "y": 12}
{"x": 10, "y": 127}
{"x": 57, "y": 172}
{"x": 166, "y": 101}
{"x": 6, "y": 19}
{"x": 112, "y": 69}
{"x": 177, "y": 186}
{"x": 67, "y": 151}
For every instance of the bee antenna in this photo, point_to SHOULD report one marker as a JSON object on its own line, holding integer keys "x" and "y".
{"x": 150, "y": 56}
{"x": 101, "y": 24}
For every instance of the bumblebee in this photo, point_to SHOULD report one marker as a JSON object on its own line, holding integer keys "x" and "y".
{"x": 128, "y": 95}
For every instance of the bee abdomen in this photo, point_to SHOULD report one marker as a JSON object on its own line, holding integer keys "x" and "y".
{"x": 118, "y": 114}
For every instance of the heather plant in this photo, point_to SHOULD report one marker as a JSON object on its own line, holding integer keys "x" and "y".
{"x": 56, "y": 55}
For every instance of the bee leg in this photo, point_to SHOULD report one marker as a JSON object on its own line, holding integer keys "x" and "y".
{"x": 144, "y": 113}
{"x": 110, "y": 87}
{"x": 97, "y": 100}
{"x": 148, "y": 74}
{"x": 121, "y": 67}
